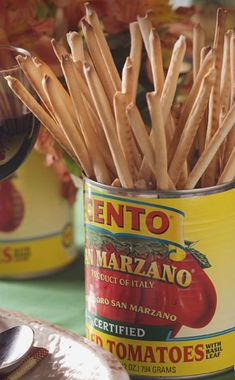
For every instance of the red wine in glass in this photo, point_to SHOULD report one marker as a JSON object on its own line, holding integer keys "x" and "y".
{"x": 18, "y": 126}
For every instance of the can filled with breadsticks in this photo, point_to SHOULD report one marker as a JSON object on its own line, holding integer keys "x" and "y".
{"x": 159, "y": 272}
{"x": 36, "y": 222}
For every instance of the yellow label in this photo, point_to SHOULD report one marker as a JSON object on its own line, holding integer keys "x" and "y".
{"x": 36, "y": 222}
{"x": 169, "y": 358}
{"x": 128, "y": 216}
{"x": 44, "y": 254}
{"x": 159, "y": 279}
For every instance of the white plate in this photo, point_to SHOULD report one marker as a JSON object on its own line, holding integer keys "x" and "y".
{"x": 71, "y": 356}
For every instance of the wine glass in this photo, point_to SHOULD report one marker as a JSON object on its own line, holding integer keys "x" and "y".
{"x": 18, "y": 126}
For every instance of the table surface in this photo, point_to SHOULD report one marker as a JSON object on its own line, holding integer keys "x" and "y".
{"x": 59, "y": 299}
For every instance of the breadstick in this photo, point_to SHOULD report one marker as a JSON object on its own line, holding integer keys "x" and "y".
{"x": 128, "y": 80}
{"x": 228, "y": 174}
{"x": 202, "y": 132}
{"x": 64, "y": 119}
{"x": 210, "y": 176}
{"x": 183, "y": 177}
{"x": 191, "y": 127}
{"x": 159, "y": 141}
{"x": 145, "y": 170}
{"x": 145, "y": 28}
{"x": 198, "y": 43}
{"x": 40, "y": 113}
{"x": 106, "y": 117}
{"x": 58, "y": 48}
{"x": 231, "y": 137}
{"x": 141, "y": 184}
{"x": 35, "y": 69}
{"x": 128, "y": 89}
{"x": 204, "y": 68}
{"x": 102, "y": 141}
{"x": 225, "y": 90}
{"x": 76, "y": 46}
{"x": 156, "y": 61}
{"x": 141, "y": 135}
{"x": 96, "y": 121}
{"x": 92, "y": 114}
{"x": 128, "y": 77}
{"x": 47, "y": 71}
{"x": 171, "y": 81}
{"x": 93, "y": 81}
{"x": 225, "y": 96}
{"x": 211, "y": 149}
{"x": 168, "y": 90}
{"x": 232, "y": 65}
{"x": 204, "y": 52}
{"x": 98, "y": 60}
{"x": 116, "y": 183}
{"x": 159, "y": 76}
{"x": 34, "y": 77}
{"x": 124, "y": 131}
{"x": 187, "y": 107}
{"x": 135, "y": 56}
{"x": 80, "y": 81}
{"x": 214, "y": 107}
{"x": 92, "y": 18}
{"x": 82, "y": 85}
{"x": 99, "y": 166}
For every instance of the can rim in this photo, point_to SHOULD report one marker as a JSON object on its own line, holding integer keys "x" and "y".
{"x": 161, "y": 193}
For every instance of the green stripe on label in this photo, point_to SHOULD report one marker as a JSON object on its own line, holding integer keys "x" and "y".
{"x": 126, "y": 330}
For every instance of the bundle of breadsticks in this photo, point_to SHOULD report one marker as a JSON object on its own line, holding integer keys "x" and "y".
{"x": 96, "y": 120}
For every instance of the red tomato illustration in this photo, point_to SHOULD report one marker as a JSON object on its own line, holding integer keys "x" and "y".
{"x": 160, "y": 302}
{"x": 112, "y": 295}
{"x": 11, "y": 206}
{"x": 193, "y": 306}
{"x": 163, "y": 299}
{"x": 197, "y": 302}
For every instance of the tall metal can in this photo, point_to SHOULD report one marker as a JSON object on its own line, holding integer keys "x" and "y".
{"x": 160, "y": 278}
{"x": 36, "y": 222}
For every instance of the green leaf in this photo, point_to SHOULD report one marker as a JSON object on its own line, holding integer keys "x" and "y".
{"x": 44, "y": 11}
{"x": 72, "y": 167}
{"x": 197, "y": 255}
{"x": 127, "y": 245}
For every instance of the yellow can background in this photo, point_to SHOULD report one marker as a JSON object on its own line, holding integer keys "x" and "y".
{"x": 202, "y": 224}
{"x": 36, "y": 225}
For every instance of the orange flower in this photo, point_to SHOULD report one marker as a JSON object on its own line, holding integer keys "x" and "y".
{"x": 54, "y": 157}
{"x": 117, "y": 14}
{"x": 24, "y": 23}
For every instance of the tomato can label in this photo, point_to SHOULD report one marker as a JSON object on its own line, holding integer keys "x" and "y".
{"x": 36, "y": 222}
{"x": 159, "y": 279}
